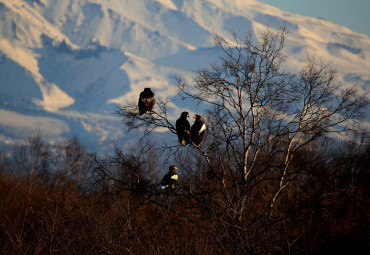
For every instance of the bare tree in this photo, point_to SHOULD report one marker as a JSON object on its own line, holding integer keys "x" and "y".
{"x": 157, "y": 118}
{"x": 256, "y": 107}
{"x": 261, "y": 116}
{"x": 33, "y": 157}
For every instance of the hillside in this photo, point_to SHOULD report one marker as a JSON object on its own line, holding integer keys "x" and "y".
{"x": 65, "y": 64}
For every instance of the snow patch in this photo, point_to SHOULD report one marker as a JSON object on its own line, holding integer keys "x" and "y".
{"x": 48, "y": 126}
{"x": 53, "y": 97}
{"x": 168, "y": 3}
{"x": 337, "y": 48}
{"x": 238, "y": 23}
{"x": 275, "y": 22}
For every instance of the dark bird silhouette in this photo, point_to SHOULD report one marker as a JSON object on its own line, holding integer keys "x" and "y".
{"x": 183, "y": 128}
{"x": 169, "y": 180}
{"x": 146, "y": 101}
{"x": 197, "y": 130}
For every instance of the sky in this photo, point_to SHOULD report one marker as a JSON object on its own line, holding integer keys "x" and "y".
{"x": 354, "y": 14}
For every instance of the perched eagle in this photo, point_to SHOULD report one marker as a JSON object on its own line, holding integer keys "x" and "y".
{"x": 183, "y": 128}
{"x": 170, "y": 178}
{"x": 146, "y": 101}
{"x": 197, "y": 130}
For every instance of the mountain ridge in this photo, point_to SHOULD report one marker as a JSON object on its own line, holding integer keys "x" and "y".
{"x": 72, "y": 61}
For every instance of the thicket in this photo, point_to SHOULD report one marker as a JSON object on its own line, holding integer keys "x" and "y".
{"x": 283, "y": 169}
{"x": 58, "y": 202}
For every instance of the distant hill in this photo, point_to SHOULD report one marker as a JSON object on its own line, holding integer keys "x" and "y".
{"x": 65, "y": 64}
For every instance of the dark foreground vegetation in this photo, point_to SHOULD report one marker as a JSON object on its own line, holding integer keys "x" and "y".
{"x": 283, "y": 168}
{"x": 58, "y": 202}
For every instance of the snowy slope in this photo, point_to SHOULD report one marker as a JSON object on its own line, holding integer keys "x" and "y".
{"x": 65, "y": 64}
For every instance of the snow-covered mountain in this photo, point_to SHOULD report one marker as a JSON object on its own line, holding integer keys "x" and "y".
{"x": 65, "y": 64}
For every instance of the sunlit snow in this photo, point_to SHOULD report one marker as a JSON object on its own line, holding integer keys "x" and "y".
{"x": 66, "y": 64}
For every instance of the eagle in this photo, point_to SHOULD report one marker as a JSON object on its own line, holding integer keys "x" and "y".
{"x": 197, "y": 130}
{"x": 146, "y": 101}
{"x": 183, "y": 128}
{"x": 169, "y": 180}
